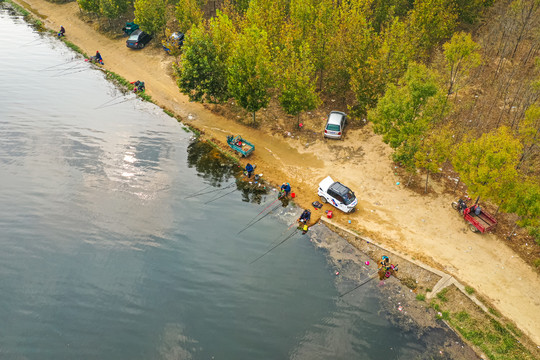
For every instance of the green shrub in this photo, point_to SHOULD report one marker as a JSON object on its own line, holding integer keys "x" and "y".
{"x": 435, "y": 306}
{"x": 421, "y": 297}
{"x": 469, "y": 290}
{"x": 462, "y": 316}
{"x": 442, "y": 295}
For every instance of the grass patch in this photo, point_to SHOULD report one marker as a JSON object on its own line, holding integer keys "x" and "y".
{"x": 462, "y": 316}
{"x": 145, "y": 97}
{"x": 19, "y": 9}
{"x": 428, "y": 289}
{"x": 435, "y": 306}
{"x": 490, "y": 336}
{"x": 536, "y": 262}
{"x": 421, "y": 297}
{"x": 514, "y": 330}
{"x": 443, "y": 315}
{"x": 494, "y": 312}
{"x": 75, "y": 48}
{"x": 410, "y": 283}
{"x": 469, "y": 290}
{"x": 170, "y": 113}
{"x": 442, "y": 295}
{"x": 117, "y": 78}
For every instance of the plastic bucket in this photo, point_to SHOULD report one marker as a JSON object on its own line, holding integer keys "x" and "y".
{"x": 293, "y": 195}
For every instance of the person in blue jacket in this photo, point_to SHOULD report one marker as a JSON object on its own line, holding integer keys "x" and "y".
{"x": 285, "y": 189}
{"x": 249, "y": 170}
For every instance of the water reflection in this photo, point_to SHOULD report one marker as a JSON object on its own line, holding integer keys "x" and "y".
{"x": 210, "y": 163}
{"x": 214, "y": 167}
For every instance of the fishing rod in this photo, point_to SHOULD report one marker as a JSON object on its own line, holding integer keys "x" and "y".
{"x": 208, "y": 192}
{"x": 117, "y": 103}
{"x": 287, "y": 238}
{"x": 67, "y": 68}
{"x": 69, "y": 73}
{"x": 108, "y": 101}
{"x": 371, "y": 277}
{"x": 73, "y": 70}
{"x": 74, "y": 67}
{"x": 200, "y": 191}
{"x": 262, "y": 217}
{"x": 280, "y": 235}
{"x": 31, "y": 42}
{"x": 230, "y": 192}
{"x": 53, "y": 66}
{"x": 249, "y": 222}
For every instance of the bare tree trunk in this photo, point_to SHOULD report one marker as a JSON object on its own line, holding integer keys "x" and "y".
{"x": 498, "y": 207}
{"x": 523, "y": 30}
{"x": 254, "y": 117}
{"x": 513, "y": 230}
{"x": 427, "y": 178}
{"x": 457, "y": 184}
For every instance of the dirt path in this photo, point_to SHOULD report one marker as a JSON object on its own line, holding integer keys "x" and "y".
{"x": 422, "y": 226}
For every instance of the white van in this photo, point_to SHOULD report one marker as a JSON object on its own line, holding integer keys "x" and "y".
{"x": 337, "y": 194}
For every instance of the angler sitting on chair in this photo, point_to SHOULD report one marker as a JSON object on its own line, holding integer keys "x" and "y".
{"x": 285, "y": 190}
{"x": 305, "y": 217}
{"x": 97, "y": 58}
{"x": 139, "y": 86}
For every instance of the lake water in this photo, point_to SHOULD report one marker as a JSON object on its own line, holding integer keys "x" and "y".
{"x": 104, "y": 256}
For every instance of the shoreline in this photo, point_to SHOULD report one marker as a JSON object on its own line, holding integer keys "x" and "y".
{"x": 208, "y": 137}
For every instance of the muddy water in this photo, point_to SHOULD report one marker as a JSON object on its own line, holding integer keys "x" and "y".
{"x": 106, "y": 253}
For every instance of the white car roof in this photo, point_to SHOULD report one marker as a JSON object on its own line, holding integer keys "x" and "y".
{"x": 335, "y": 117}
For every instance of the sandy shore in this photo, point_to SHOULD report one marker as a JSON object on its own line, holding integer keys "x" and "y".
{"x": 423, "y": 227}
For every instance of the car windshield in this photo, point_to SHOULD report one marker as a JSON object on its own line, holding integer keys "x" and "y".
{"x": 333, "y": 127}
{"x": 134, "y": 36}
{"x": 348, "y": 197}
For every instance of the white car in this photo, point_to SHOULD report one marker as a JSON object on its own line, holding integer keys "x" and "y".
{"x": 337, "y": 194}
{"x": 335, "y": 125}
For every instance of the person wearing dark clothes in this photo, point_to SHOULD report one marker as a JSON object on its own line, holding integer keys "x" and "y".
{"x": 249, "y": 170}
{"x": 97, "y": 58}
{"x": 305, "y": 217}
{"x": 286, "y": 189}
{"x": 384, "y": 261}
{"x": 62, "y": 31}
{"x": 139, "y": 86}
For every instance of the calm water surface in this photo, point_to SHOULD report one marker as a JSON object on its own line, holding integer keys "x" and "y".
{"x": 103, "y": 257}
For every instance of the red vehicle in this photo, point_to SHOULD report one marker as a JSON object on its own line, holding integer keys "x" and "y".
{"x": 480, "y": 220}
